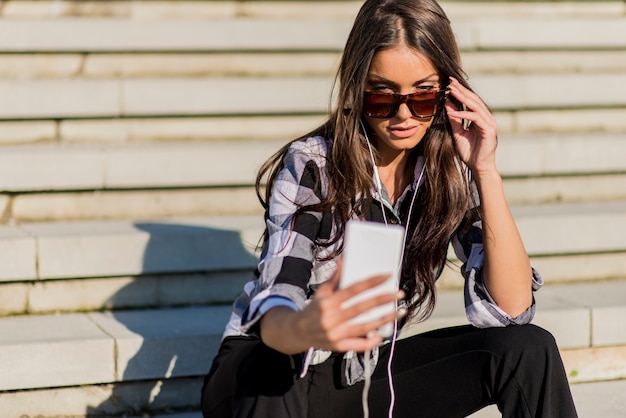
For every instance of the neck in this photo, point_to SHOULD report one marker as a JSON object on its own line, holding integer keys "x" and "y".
{"x": 395, "y": 174}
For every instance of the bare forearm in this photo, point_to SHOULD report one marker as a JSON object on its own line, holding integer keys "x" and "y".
{"x": 507, "y": 272}
{"x": 279, "y": 330}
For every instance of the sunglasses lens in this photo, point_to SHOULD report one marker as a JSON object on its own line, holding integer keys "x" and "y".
{"x": 424, "y": 104}
{"x": 379, "y": 105}
{"x": 384, "y": 105}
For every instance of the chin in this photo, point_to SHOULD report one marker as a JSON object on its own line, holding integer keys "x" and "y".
{"x": 402, "y": 144}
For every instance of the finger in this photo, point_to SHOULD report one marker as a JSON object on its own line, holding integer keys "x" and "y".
{"x": 365, "y": 329}
{"x": 356, "y": 309}
{"x": 361, "y": 286}
{"x": 351, "y": 309}
{"x": 463, "y": 118}
{"x": 359, "y": 344}
{"x": 353, "y": 325}
{"x": 456, "y": 120}
{"x": 474, "y": 109}
{"x": 473, "y": 102}
{"x": 338, "y": 309}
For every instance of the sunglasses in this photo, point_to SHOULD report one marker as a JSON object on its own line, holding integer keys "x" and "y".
{"x": 423, "y": 104}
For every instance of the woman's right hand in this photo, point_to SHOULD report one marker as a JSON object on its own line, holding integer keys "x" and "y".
{"x": 324, "y": 324}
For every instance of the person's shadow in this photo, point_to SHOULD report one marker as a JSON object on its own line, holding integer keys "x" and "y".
{"x": 184, "y": 268}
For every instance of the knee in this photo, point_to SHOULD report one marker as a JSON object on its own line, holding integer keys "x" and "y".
{"x": 537, "y": 336}
{"x": 533, "y": 343}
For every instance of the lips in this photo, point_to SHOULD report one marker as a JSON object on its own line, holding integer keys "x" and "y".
{"x": 403, "y": 132}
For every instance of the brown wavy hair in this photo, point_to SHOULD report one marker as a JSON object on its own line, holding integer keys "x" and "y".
{"x": 443, "y": 201}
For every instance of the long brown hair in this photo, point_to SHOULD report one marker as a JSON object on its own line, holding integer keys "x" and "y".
{"x": 443, "y": 201}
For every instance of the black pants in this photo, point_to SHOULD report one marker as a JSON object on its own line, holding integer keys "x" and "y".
{"x": 445, "y": 374}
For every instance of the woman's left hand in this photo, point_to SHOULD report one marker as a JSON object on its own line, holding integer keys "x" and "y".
{"x": 476, "y": 144}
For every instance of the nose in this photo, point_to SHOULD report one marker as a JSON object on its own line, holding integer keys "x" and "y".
{"x": 403, "y": 112}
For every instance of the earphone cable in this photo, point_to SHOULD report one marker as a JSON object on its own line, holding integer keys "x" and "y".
{"x": 367, "y": 366}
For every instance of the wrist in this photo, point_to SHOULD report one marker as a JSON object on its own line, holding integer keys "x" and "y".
{"x": 488, "y": 182}
{"x": 280, "y": 329}
{"x": 489, "y": 176}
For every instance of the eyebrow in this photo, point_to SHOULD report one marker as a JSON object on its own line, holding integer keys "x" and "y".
{"x": 377, "y": 78}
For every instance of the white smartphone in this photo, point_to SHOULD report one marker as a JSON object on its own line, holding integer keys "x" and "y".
{"x": 371, "y": 249}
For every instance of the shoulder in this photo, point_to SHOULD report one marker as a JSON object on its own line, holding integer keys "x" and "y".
{"x": 313, "y": 148}
{"x": 306, "y": 158}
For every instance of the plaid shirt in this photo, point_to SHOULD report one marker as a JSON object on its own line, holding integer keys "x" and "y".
{"x": 292, "y": 266}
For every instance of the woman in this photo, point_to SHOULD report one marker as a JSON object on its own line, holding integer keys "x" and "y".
{"x": 397, "y": 149}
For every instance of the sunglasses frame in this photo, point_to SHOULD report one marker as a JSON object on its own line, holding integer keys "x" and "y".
{"x": 440, "y": 96}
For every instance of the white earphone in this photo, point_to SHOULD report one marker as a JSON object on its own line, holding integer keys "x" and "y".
{"x": 367, "y": 383}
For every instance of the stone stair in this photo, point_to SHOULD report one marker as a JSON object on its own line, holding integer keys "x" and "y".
{"x": 130, "y": 133}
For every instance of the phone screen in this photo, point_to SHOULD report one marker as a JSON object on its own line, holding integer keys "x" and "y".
{"x": 372, "y": 249}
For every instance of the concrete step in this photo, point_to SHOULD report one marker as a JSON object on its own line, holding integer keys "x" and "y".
{"x": 105, "y": 348}
{"x": 541, "y": 61}
{"x": 221, "y": 96}
{"x": 596, "y": 399}
{"x": 283, "y": 64}
{"x": 93, "y": 265}
{"x": 557, "y": 268}
{"x": 168, "y": 129}
{"x": 115, "y": 166}
{"x": 289, "y": 9}
{"x": 81, "y": 98}
{"x": 58, "y": 250}
{"x": 187, "y": 9}
{"x": 64, "y": 34}
{"x": 277, "y": 127}
{"x": 593, "y": 399}
{"x": 554, "y": 189}
{"x": 143, "y": 360}
{"x": 585, "y": 319}
{"x": 167, "y": 203}
{"x": 132, "y": 166}
{"x": 91, "y": 294}
{"x": 293, "y": 8}
{"x": 121, "y": 248}
{"x": 571, "y": 228}
{"x": 576, "y": 123}
{"x": 558, "y": 154}
{"x": 216, "y": 286}
{"x": 87, "y": 181}
{"x": 580, "y": 315}
{"x": 111, "y": 35}
{"x": 154, "y": 203}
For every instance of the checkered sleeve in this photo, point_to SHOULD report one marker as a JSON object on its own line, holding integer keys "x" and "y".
{"x": 480, "y": 308}
{"x": 289, "y": 253}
